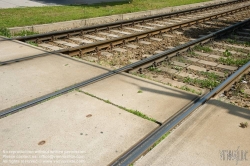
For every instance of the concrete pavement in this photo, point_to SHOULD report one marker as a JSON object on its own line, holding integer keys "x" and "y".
{"x": 210, "y": 136}
{"x": 25, "y": 80}
{"x": 151, "y": 98}
{"x": 73, "y": 129}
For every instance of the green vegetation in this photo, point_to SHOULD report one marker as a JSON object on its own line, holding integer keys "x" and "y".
{"x": 207, "y": 83}
{"x": 227, "y": 53}
{"x": 25, "y": 33}
{"x": 232, "y": 41}
{"x": 202, "y": 48}
{"x": 139, "y": 91}
{"x": 4, "y": 32}
{"x": 135, "y": 112}
{"x": 32, "y": 43}
{"x": 210, "y": 75}
{"x": 192, "y": 53}
{"x": 42, "y": 15}
{"x": 159, "y": 140}
{"x": 178, "y": 68}
{"x": 154, "y": 69}
{"x": 232, "y": 61}
{"x": 190, "y": 90}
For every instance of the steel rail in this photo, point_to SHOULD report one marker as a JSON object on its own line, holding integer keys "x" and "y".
{"x": 80, "y": 50}
{"x": 80, "y": 31}
{"x": 127, "y": 68}
{"x": 110, "y": 43}
{"x": 122, "y": 40}
{"x": 140, "y": 148}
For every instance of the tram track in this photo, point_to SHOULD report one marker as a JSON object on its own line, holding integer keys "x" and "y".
{"x": 218, "y": 53}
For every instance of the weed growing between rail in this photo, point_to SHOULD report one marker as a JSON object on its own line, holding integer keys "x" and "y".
{"x": 32, "y": 43}
{"x": 135, "y": 112}
{"x": 25, "y": 33}
{"x": 207, "y": 83}
{"x": 202, "y": 48}
{"x": 235, "y": 62}
{"x": 159, "y": 140}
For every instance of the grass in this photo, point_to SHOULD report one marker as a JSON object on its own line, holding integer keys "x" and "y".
{"x": 190, "y": 90}
{"x": 227, "y": 53}
{"x": 135, "y": 112}
{"x": 159, "y": 140}
{"x": 25, "y": 33}
{"x": 42, "y": 15}
{"x": 232, "y": 61}
{"x": 32, "y": 43}
{"x": 202, "y": 48}
{"x": 155, "y": 69}
{"x": 209, "y": 75}
{"x": 207, "y": 83}
{"x": 4, "y": 32}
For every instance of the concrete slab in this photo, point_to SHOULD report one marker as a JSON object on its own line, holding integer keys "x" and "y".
{"x": 66, "y": 43}
{"x": 157, "y": 25}
{"x": 145, "y": 42}
{"x": 120, "y": 49}
{"x": 133, "y": 29}
{"x": 158, "y": 51}
{"x": 49, "y": 46}
{"x": 95, "y": 37}
{"x": 155, "y": 39}
{"x": 166, "y": 35}
{"x": 132, "y": 46}
{"x": 107, "y": 54}
{"x": 205, "y": 138}
{"x": 146, "y": 56}
{"x": 121, "y": 32}
{"x": 12, "y": 49}
{"x": 192, "y": 59}
{"x": 221, "y": 74}
{"x": 156, "y": 100}
{"x": 81, "y": 40}
{"x": 108, "y": 34}
{"x": 173, "y": 83}
{"x": 93, "y": 131}
{"x": 208, "y": 63}
{"x": 197, "y": 68}
{"x": 176, "y": 63}
{"x": 147, "y": 27}
{"x": 29, "y": 79}
{"x": 228, "y": 67}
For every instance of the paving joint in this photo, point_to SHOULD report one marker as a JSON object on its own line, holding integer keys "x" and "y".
{"x": 135, "y": 112}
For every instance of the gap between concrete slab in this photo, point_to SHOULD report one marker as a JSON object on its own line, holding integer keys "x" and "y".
{"x": 135, "y": 112}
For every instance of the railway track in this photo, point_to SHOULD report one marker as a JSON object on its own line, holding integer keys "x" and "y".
{"x": 207, "y": 63}
{"x": 135, "y": 46}
{"x": 234, "y": 88}
{"x": 197, "y": 12}
{"x": 195, "y": 71}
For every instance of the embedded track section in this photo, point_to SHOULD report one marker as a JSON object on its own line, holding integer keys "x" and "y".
{"x": 233, "y": 79}
{"x": 222, "y": 55}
